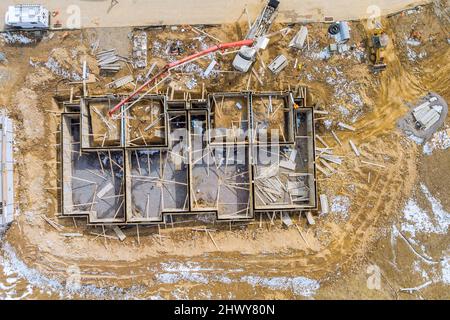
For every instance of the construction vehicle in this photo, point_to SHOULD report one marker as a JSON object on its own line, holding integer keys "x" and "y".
{"x": 27, "y": 17}
{"x": 247, "y": 55}
{"x": 242, "y": 62}
{"x": 164, "y": 72}
{"x": 376, "y": 44}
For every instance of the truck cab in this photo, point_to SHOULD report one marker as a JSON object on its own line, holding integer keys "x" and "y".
{"x": 247, "y": 55}
{"x": 244, "y": 59}
{"x": 27, "y": 16}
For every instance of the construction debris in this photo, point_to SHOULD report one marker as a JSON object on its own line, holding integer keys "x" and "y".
{"x": 287, "y": 221}
{"x": 108, "y": 61}
{"x": 120, "y": 82}
{"x": 309, "y": 218}
{"x": 209, "y": 68}
{"x": 354, "y": 148}
{"x": 324, "y": 203}
{"x": 346, "y": 126}
{"x": 72, "y": 235}
{"x": 340, "y": 31}
{"x": 336, "y": 138}
{"x": 139, "y": 56}
{"x": 373, "y": 164}
{"x": 299, "y": 39}
{"x": 301, "y": 234}
{"x": 331, "y": 158}
{"x": 278, "y": 64}
{"x": 426, "y": 117}
{"x": 52, "y": 223}
{"x": 119, "y": 233}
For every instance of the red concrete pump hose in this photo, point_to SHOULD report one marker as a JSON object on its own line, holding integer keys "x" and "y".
{"x": 175, "y": 64}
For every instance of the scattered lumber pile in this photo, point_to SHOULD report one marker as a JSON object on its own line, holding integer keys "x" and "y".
{"x": 326, "y": 161}
{"x": 108, "y": 61}
{"x": 281, "y": 187}
{"x": 120, "y": 82}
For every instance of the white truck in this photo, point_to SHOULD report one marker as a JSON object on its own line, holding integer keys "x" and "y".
{"x": 27, "y": 16}
{"x": 247, "y": 55}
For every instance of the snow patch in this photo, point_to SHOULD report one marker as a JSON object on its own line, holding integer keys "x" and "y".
{"x": 299, "y": 285}
{"x": 445, "y": 269}
{"x": 16, "y": 38}
{"x": 416, "y": 139}
{"x": 54, "y": 67}
{"x": 15, "y": 268}
{"x": 439, "y": 141}
{"x": 418, "y": 220}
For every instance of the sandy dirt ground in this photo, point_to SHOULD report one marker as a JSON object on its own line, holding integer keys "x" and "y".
{"x": 390, "y": 221}
{"x": 99, "y": 13}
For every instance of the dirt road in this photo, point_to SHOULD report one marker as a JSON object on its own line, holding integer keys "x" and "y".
{"x": 100, "y": 13}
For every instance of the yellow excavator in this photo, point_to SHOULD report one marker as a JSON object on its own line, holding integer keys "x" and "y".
{"x": 377, "y": 43}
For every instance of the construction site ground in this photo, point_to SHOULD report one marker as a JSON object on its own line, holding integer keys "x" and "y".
{"x": 392, "y": 217}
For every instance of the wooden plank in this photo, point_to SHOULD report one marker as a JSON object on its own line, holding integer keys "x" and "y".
{"x": 71, "y": 235}
{"x": 336, "y": 138}
{"x": 355, "y": 149}
{"x": 373, "y": 164}
{"x": 346, "y": 126}
{"x": 324, "y": 203}
{"x": 119, "y": 233}
{"x": 310, "y": 218}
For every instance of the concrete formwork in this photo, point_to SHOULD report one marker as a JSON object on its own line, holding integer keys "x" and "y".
{"x": 146, "y": 122}
{"x": 98, "y": 130}
{"x": 212, "y": 159}
{"x": 7, "y": 207}
{"x": 92, "y": 180}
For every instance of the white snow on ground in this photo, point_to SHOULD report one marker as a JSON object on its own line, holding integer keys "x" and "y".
{"x": 16, "y": 270}
{"x": 54, "y": 67}
{"x": 16, "y": 38}
{"x": 417, "y": 267}
{"x": 193, "y": 272}
{"x": 328, "y": 123}
{"x": 418, "y": 220}
{"x": 445, "y": 268}
{"x": 415, "y": 139}
{"x": 186, "y": 276}
{"x": 340, "y": 205}
{"x": 439, "y": 141}
{"x": 413, "y": 51}
{"x": 413, "y": 42}
{"x": 441, "y": 216}
{"x": 299, "y": 285}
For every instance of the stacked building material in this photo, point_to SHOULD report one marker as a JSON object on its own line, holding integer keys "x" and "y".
{"x": 140, "y": 50}
{"x": 271, "y": 188}
{"x": 297, "y": 190}
{"x": 120, "y": 82}
{"x": 108, "y": 61}
{"x": 299, "y": 39}
{"x": 427, "y": 114}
